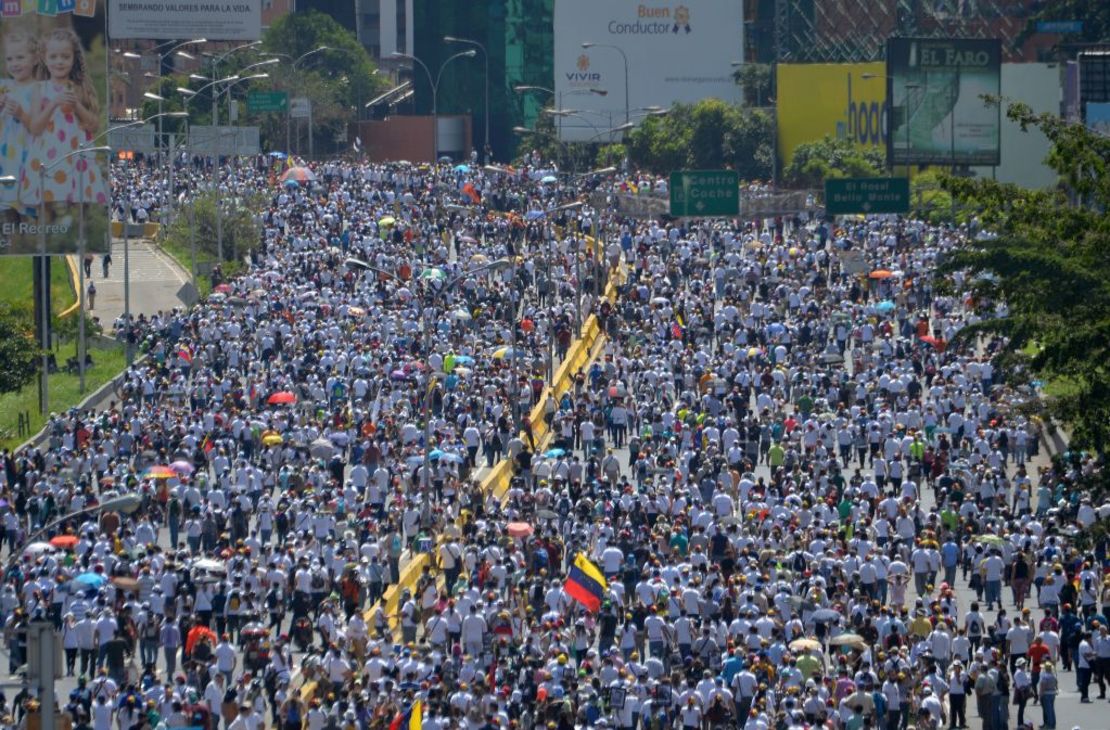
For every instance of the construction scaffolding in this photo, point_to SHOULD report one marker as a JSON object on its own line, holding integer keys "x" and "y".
{"x": 850, "y": 31}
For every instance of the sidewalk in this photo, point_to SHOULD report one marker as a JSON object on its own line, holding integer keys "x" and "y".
{"x": 156, "y": 282}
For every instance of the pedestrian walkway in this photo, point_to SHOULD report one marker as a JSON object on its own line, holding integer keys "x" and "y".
{"x": 156, "y": 282}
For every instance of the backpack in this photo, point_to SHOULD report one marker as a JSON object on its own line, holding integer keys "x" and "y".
{"x": 234, "y": 602}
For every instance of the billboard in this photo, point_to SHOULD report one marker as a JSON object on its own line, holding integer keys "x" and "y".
{"x": 677, "y": 51}
{"x": 204, "y": 139}
{"x": 840, "y": 100}
{"x": 938, "y": 114}
{"x": 134, "y": 139}
{"x": 53, "y": 93}
{"x": 239, "y": 20}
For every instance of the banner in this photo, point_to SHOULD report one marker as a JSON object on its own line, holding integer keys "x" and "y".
{"x": 238, "y": 20}
{"x": 839, "y": 100}
{"x": 663, "y": 52}
{"x": 53, "y": 95}
{"x": 936, "y": 87}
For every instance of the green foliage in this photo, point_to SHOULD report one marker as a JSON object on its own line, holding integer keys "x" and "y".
{"x": 544, "y": 139}
{"x": 755, "y": 80}
{"x": 68, "y": 328}
{"x": 928, "y": 198}
{"x": 610, "y": 155}
{"x": 337, "y": 81}
{"x": 197, "y": 221}
{"x": 815, "y": 162}
{"x": 710, "y": 134}
{"x": 1049, "y": 263}
{"x": 19, "y": 355}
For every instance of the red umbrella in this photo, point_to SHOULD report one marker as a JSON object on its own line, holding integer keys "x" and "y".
{"x": 936, "y": 342}
{"x": 196, "y": 634}
{"x": 65, "y": 542}
{"x": 282, "y": 397}
{"x": 222, "y": 288}
{"x": 519, "y": 529}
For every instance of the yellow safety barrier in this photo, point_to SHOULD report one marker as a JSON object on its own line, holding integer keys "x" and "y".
{"x": 580, "y": 354}
{"x": 75, "y": 281}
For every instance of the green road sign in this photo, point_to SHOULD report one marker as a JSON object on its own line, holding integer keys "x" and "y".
{"x": 704, "y": 193}
{"x": 848, "y": 195}
{"x": 267, "y": 101}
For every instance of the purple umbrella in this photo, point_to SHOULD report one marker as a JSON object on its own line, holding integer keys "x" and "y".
{"x": 182, "y": 467}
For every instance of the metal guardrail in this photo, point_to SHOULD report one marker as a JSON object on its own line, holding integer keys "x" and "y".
{"x": 757, "y": 205}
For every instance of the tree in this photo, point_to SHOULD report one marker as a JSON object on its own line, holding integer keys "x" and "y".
{"x": 337, "y": 82}
{"x": 815, "y": 162}
{"x": 19, "y": 355}
{"x": 1048, "y": 262}
{"x": 710, "y": 134}
{"x": 197, "y": 221}
{"x": 755, "y": 80}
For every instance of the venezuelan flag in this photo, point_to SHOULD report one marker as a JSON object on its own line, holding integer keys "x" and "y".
{"x": 585, "y": 583}
{"x": 413, "y": 719}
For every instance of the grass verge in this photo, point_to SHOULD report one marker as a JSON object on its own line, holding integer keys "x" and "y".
{"x": 64, "y": 391}
{"x": 17, "y": 284}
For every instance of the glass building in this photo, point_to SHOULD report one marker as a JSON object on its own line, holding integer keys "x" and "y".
{"x": 518, "y": 36}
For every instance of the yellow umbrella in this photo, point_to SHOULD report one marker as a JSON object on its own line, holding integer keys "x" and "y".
{"x": 272, "y": 439}
{"x": 387, "y": 221}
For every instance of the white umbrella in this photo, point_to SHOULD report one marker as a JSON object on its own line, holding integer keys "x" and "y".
{"x": 38, "y": 548}
{"x": 826, "y": 614}
{"x": 321, "y": 448}
{"x": 210, "y": 565}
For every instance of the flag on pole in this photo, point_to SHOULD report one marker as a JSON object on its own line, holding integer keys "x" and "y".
{"x": 411, "y": 719}
{"x": 585, "y": 583}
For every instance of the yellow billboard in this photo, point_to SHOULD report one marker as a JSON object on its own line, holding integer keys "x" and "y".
{"x": 842, "y": 100}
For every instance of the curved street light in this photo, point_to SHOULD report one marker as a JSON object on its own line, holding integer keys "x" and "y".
{"x": 434, "y": 84}
{"x": 624, "y": 56}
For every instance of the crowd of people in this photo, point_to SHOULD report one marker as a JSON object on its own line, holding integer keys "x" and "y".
{"x": 808, "y": 502}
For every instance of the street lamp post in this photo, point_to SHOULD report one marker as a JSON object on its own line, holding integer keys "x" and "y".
{"x": 293, "y": 68}
{"x": 216, "y": 61}
{"x": 45, "y": 401}
{"x": 434, "y": 84}
{"x": 243, "y": 76}
{"x": 485, "y": 57}
{"x": 624, "y": 56}
{"x": 558, "y": 97}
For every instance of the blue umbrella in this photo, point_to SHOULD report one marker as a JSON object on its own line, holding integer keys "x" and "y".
{"x": 462, "y": 168}
{"x": 554, "y": 453}
{"x": 533, "y": 215}
{"x": 885, "y": 306}
{"x": 92, "y": 580}
{"x": 548, "y": 179}
{"x": 291, "y": 183}
{"x": 463, "y": 360}
{"x": 278, "y": 155}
